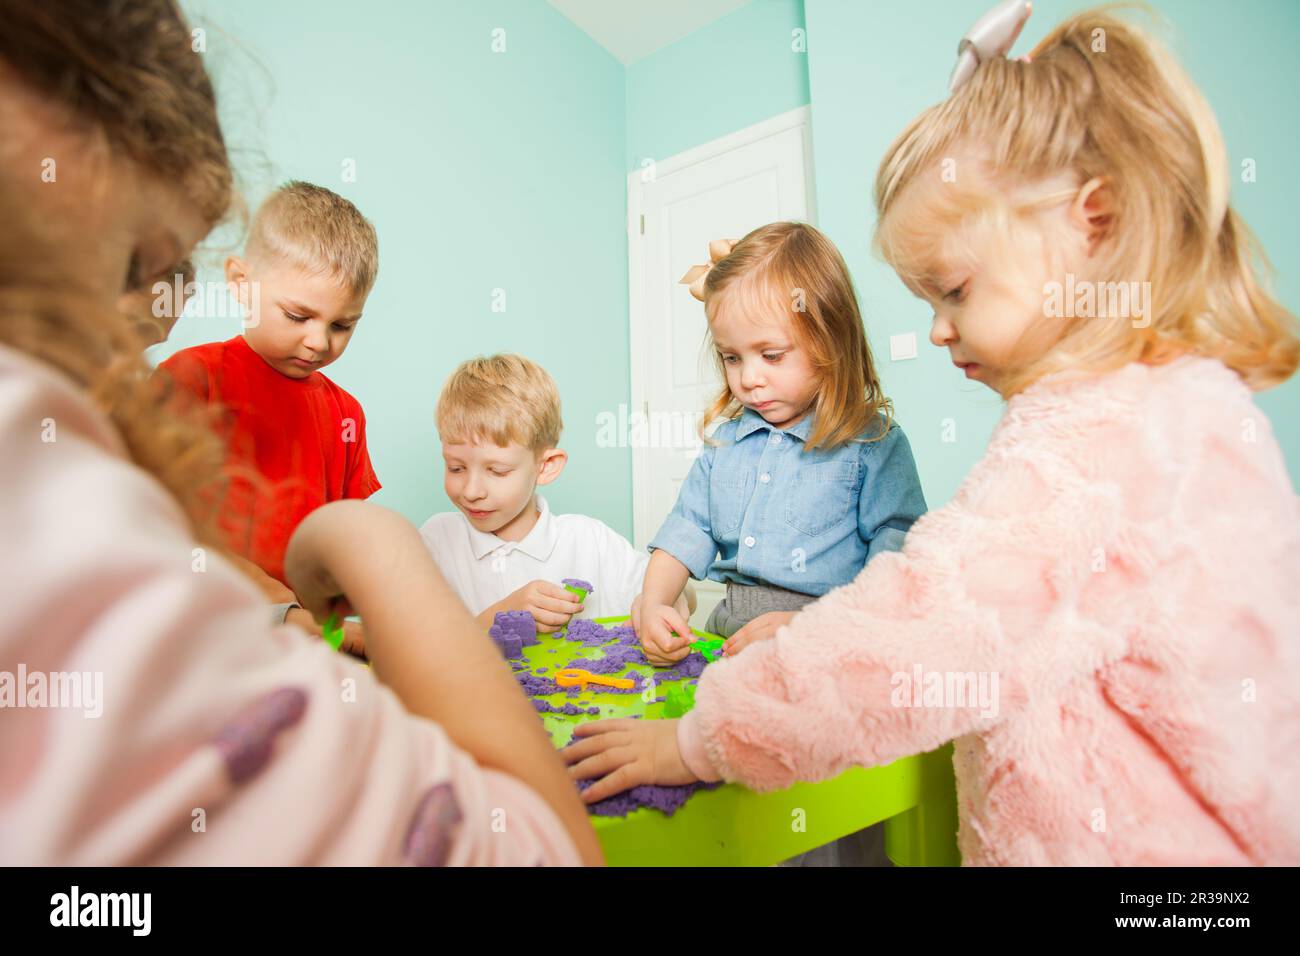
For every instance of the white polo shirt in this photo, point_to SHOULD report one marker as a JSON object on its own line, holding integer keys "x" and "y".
{"x": 483, "y": 568}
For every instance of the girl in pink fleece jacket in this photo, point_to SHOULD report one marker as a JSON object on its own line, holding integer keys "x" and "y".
{"x": 1106, "y": 617}
{"x": 149, "y": 711}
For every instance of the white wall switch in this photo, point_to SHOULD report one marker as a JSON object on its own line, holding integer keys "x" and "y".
{"x": 902, "y": 346}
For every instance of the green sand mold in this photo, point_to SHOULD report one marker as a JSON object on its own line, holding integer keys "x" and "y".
{"x": 332, "y": 631}
{"x": 710, "y": 648}
{"x": 679, "y": 700}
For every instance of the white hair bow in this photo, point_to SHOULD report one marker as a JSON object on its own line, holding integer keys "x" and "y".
{"x": 991, "y": 35}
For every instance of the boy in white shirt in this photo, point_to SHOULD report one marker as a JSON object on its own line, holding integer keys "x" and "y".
{"x": 504, "y": 550}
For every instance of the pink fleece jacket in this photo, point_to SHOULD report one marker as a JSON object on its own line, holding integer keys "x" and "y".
{"x": 1105, "y": 620}
{"x": 219, "y": 739}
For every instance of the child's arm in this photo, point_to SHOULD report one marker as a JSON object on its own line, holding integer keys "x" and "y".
{"x": 205, "y": 713}
{"x": 846, "y": 682}
{"x": 966, "y": 604}
{"x": 683, "y": 548}
{"x": 665, "y": 634}
{"x": 622, "y": 577}
{"x": 891, "y": 498}
{"x": 691, "y": 601}
{"x": 450, "y": 674}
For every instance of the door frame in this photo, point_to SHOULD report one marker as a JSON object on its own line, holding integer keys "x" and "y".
{"x": 637, "y": 319}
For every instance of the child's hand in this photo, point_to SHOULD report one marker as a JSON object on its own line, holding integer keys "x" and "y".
{"x": 550, "y": 604}
{"x": 665, "y": 636}
{"x": 636, "y": 613}
{"x": 625, "y": 754}
{"x": 354, "y": 634}
{"x": 354, "y": 639}
{"x": 759, "y": 629}
{"x": 682, "y": 606}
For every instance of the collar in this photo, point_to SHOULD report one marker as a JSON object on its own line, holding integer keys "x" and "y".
{"x": 751, "y": 421}
{"x": 539, "y": 543}
{"x": 262, "y": 367}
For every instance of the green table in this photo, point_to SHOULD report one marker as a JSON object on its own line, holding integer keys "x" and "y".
{"x": 733, "y": 826}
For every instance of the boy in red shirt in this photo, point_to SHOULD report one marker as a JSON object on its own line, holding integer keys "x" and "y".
{"x": 295, "y": 439}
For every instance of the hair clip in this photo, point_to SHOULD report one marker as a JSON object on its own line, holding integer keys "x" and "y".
{"x": 991, "y": 35}
{"x": 719, "y": 249}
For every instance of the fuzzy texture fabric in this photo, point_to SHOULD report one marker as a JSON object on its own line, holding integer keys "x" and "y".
{"x": 1125, "y": 558}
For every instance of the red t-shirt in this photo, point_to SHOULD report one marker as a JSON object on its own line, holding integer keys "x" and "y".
{"x": 305, "y": 437}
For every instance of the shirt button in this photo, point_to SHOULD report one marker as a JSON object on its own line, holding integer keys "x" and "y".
{"x": 765, "y": 477}
{"x": 775, "y": 439}
{"x": 749, "y": 542}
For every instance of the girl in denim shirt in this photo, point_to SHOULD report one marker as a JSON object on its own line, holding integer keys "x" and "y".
{"x": 808, "y": 477}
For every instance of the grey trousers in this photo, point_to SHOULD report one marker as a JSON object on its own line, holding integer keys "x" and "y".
{"x": 742, "y": 604}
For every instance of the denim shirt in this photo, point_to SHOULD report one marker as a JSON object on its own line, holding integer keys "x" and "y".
{"x": 773, "y": 513}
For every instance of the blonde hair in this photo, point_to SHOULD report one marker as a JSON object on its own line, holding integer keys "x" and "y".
{"x": 501, "y": 398}
{"x": 313, "y": 228}
{"x": 795, "y": 265}
{"x": 1101, "y": 99}
{"x": 127, "y": 71}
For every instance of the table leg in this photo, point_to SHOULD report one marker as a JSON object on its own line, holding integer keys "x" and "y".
{"x": 926, "y": 835}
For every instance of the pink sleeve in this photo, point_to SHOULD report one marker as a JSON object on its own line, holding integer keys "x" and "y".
{"x": 850, "y": 681}
{"x": 189, "y": 730}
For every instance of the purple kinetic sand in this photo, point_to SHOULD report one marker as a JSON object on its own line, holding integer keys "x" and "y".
{"x": 509, "y": 645}
{"x": 625, "y": 634}
{"x": 692, "y": 665}
{"x": 537, "y": 686}
{"x": 593, "y": 710}
{"x": 588, "y": 632}
{"x": 625, "y": 654}
{"x": 580, "y": 584}
{"x": 597, "y": 665}
{"x": 667, "y": 800}
{"x": 541, "y": 670}
{"x": 518, "y": 624}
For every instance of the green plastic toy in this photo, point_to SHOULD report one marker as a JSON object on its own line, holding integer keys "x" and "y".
{"x": 573, "y": 588}
{"x": 332, "y": 631}
{"x": 711, "y": 648}
{"x": 679, "y": 700}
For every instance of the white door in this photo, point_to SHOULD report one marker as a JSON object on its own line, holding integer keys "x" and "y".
{"x": 721, "y": 190}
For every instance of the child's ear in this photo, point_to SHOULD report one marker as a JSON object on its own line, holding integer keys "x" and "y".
{"x": 1093, "y": 211}
{"x": 553, "y": 461}
{"x": 237, "y": 278}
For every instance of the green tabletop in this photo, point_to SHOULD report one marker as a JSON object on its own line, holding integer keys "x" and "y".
{"x": 733, "y": 826}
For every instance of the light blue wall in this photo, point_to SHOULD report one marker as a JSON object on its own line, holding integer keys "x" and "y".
{"x": 486, "y": 171}
{"x": 733, "y": 73}
{"x": 480, "y": 170}
{"x": 874, "y": 66}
